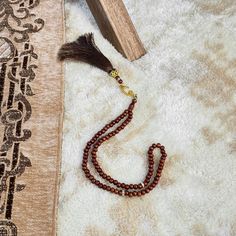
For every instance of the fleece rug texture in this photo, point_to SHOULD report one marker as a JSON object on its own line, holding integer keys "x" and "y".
{"x": 31, "y": 94}
{"x": 186, "y": 88}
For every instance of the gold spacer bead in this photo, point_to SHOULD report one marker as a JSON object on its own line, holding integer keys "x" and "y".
{"x": 114, "y": 73}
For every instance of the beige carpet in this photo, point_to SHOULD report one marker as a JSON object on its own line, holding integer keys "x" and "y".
{"x": 186, "y": 87}
{"x": 30, "y": 115}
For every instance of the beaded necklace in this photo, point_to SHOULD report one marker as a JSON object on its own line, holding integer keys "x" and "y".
{"x": 84, "y": 49}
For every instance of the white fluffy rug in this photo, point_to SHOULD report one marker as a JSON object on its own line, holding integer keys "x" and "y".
{"x": 186, "y": 88}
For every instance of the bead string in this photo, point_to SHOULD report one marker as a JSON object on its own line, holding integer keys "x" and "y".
{"x": 91, "y": 149}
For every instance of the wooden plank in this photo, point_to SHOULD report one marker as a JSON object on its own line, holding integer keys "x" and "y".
{"x": 116, "y": 26}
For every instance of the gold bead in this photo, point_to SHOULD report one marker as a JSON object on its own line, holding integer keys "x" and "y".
{"x": 114, "y": 73}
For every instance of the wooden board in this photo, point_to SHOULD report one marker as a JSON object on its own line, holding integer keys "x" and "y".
{"x": 116, "y": 26}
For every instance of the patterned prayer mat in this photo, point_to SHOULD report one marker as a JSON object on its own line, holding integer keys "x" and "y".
{"x": 30, "y": 115}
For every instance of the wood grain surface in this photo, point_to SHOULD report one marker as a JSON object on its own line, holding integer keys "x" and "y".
{"x": 116, "y": 26}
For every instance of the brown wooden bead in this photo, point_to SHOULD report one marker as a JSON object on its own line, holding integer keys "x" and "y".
{"x": 131, "y": 106}
{"x": 108, "y": 177}
{"x": 91, "y": 177}
{"x": 96, "y": 165}
{"x": 147, "y": 179}
{"x": 153, "y": 185}
{"x": 149, "y": 175}
{"x": 112, "y": 190}
{"x": 155, "y": 182}
{"x": 151, "y": 162}
{"x": 125, "y": 123}
{"x": 140, "y": 186}
{"x": 149, "y": 152}
{"x": 104, "y": 176}
{"x": 87, "y": 175}
{"x": 150, "y": 188}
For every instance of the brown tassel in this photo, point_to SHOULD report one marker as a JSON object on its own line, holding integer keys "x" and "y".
{"x": 84, "y": 49}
